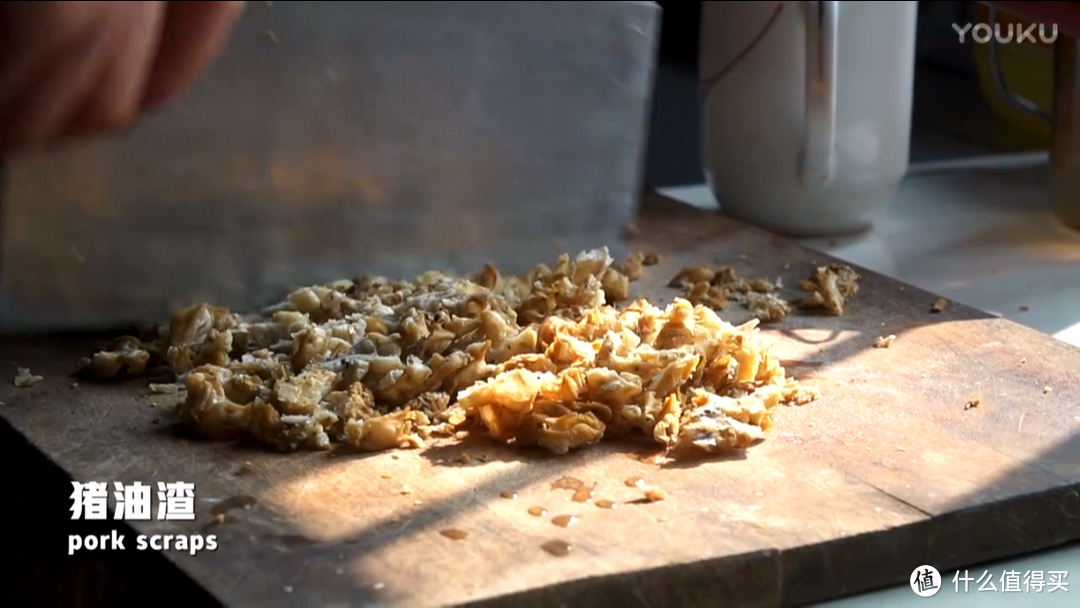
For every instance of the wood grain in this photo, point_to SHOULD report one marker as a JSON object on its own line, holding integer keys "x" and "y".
{"x": 887, "y": 472}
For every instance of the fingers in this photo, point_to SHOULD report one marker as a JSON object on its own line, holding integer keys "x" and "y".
{"x": 115, "y": 100}
{"x": 44, "y": 90}
{"x": 57, "y": 95}
{"x": 195, "y": 33}
{"x": 74, "y": 68}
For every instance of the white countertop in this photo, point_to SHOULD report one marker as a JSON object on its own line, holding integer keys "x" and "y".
{"x": 978, "y": 232}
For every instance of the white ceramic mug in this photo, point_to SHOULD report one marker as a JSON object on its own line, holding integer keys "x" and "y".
{"x": 807, "y": 110}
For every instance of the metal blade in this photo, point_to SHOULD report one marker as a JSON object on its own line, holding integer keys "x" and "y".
{"x": 340, "y": 138}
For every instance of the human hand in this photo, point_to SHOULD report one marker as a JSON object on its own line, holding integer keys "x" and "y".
{"x": 71, "y": 69}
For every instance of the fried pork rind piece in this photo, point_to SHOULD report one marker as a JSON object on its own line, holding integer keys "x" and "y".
{"x": 541, "y": 360}
{"x": 124, "y": 356}
{"x": 25, "y": 379}
{"x": 715, "y": 286}
{"x": 767, "y": 307}
{"x": 830, "y": 288}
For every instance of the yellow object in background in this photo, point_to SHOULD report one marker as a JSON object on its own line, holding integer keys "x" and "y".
{"x": 1028, "y": 71}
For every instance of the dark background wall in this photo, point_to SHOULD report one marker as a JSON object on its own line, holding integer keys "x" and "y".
{"x": 674, "y": 156}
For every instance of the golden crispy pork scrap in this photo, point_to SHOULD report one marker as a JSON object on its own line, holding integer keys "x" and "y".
{"x": 830, "y": 287}
{"x": 714, "y": 287}
{"x": 542, "y": 360}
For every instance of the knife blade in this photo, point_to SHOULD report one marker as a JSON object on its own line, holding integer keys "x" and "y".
{"x": 334, "y": 139}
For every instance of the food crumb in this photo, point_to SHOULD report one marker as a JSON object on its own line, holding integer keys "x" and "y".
{"x": 165, "y": 389}
{"x": 378, "y": 586}
{"x": 406, "y": 490}
{"x": 973, "y": 402}
{"x": 655, "y": 495}
{"x": 1024, "y": 308}
{"x": 24, "y": 379}
{"x": 386, "y": 476}
{"x": 662, "y": 519}
{"x": 634, "y": 482}
{"x": 939, "y": 305}
{"x": 650, "y": 259}
{"x": 465, "y": 458}
{"x": 1047, "y": 390}
{"x": 830, "y": 287}
{"x": 767, "y": 307}
{"x": 884, "y": 341}
{"x": 418, "y": 502}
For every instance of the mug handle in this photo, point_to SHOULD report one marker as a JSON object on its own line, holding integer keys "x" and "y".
{"x": 994, "y": 59}
{"x": 818, "y": 160}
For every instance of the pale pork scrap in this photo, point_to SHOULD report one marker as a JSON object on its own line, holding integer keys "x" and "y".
{"x": 124, "y": 355}
{"x": 165, "y": 389}
{"x": 830, "y": 288}
{"x": 541, "y": 360}
{"x": 25, "y": 379}
{"x": 715, "y": 286}
{"x": 706, "y": 294}
{"x": 634, "y": 265}
{"x": 884, "y": 341}
{"x": 767, "y": 307}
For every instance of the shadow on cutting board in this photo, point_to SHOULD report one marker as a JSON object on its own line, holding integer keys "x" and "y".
{"x": 34, "y": 525}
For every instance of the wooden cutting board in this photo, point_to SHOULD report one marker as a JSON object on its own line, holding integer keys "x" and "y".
{"x": 888, "y": 471}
